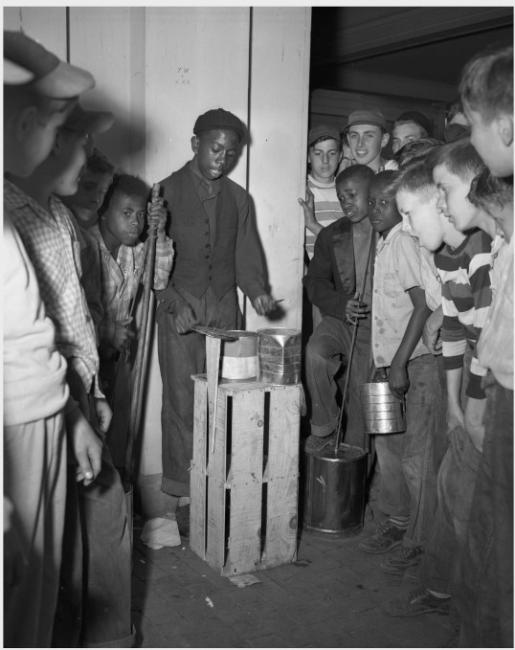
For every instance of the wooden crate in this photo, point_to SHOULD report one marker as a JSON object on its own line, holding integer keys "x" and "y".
{"x": 244, "y": 482}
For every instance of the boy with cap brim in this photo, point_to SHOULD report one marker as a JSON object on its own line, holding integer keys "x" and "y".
{"x": 485, "y": 594}
{"x": 50, "y": 238}
{"x": 36, "y": 397}
{"x": 217, "y": 249}
{"x": 367, "y": 135}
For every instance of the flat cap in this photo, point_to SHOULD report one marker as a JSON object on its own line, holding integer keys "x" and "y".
{"x": 367, "y": 116}
{"x": 323, "y": 131}
{"x": 218, "y": 118}
{"x": 51, "y": 77}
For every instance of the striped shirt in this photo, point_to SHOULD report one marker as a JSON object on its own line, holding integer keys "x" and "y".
{"x": 466, "y": 298}
{"x": 121, "y": 277}
{"x": 327, "y": 209}
{"x": 52, "y": 245}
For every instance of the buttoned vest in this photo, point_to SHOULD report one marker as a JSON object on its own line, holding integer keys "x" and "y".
{"x": 198, "y": 265}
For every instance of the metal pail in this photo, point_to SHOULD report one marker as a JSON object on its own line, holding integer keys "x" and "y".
{"x": 334, "y": 495}
{"x": 382, "y": 411}
{"x": 239, "y": 357}
{"x": 279, "y": 355}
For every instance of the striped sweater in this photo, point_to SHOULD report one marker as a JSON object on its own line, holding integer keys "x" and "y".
{"x": 466, "y": 298}
{"x": 327, "y": 209}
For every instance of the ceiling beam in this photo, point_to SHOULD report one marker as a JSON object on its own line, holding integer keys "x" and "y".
{"x": 411, "y": 27}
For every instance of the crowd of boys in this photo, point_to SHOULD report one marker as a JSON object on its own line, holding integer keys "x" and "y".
{"x": 409, "y": 261}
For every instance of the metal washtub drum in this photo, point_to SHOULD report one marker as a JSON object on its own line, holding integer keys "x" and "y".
{"x": 334, "y": 491}
{"x": 239, "y": 356}
{"x": 279, "y": 352}
{"x": 382, "y": 411}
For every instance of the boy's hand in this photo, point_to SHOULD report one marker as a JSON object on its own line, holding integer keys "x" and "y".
{"x": 308, "y": 205}
{"x": 185, "y": 318}
{"x": 474, "y": 414}
{"x": 354, "y": 310}
{"x": 156, "y": 217}
{"x": 104, "y": 413}
{"x": 85, "y": 445}
{"x": 264, "y": 304}
{"x": 455, "y": 417}
{"x": 398, "y": 380}
{"x": 123, "y": 333}
{"x": 431, "y": 332}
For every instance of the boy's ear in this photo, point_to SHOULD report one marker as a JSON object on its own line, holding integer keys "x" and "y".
{"x": 194, "y": 143}
{"x": 24, "y": 122}
{"x": 505, "y": 129}
{"x": 385, "y": 140}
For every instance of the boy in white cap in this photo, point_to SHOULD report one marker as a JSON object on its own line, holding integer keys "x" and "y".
{"x": 36, "y": 397}
{"x": 367, "y": 135}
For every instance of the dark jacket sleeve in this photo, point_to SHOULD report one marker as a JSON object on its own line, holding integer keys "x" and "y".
{"x": 321, "y": 284}
{"x": 251, "y": 272}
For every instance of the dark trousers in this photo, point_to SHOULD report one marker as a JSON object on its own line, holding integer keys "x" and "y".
{"x": 455, "y": 487}
{"x": 180, "y": 357}
{"x": 406, "y": 460}
{"x": 485, "y": 587}
{"x": 327, "y": 350}
{"x": 94, "y": 607}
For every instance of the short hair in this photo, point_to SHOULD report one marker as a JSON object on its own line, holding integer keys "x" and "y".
{"x": 486, "y": 84}
{"x": 98, "y": 163}
{"x": 417, "y": 118}
{"x": 388, "y": 179}
{"x": 324, "y": 138}
{"x": 415, "y": 150}
{"x": 487, "y": 191}
{"x": 360, "y": 172}
{"x": 460, "y": 158}
{"x": 417, "y": 178}
{"x": 127, "y": 185}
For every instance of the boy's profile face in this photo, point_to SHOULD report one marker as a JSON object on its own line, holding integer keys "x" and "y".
{"x": 124, "y": 218}
{"x": 352, "y": 193}
{"x": 405, "y": 132}
{"x": 324, "y": 158}
{"x": 493, "y": 141}
{"x": 216, "y": 152}
{"x": 452, "y": 198}
{"x": 421, "y": 216}
{"x": 70, "y": 155}
{"x": 382, "y": 209}
{"x": 92, "y": 190}
{"x": 365, "y": 142}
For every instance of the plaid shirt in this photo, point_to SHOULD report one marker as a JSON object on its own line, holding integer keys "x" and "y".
{"x": 52, "y": 245}
{"x": 120, "y": 278}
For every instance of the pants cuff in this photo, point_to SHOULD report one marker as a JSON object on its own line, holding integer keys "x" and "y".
{"x": 323, "y": 430}
{"x": 175, "y": 488}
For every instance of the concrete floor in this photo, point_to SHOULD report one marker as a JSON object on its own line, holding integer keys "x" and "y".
{"x": 330, "y": 597}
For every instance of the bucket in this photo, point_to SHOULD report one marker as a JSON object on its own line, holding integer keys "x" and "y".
{"x": 279, "y": 355}
{"x": 382, "y": 411}
{"x": 239, "y": 357}
{"x": 334, "y": 495}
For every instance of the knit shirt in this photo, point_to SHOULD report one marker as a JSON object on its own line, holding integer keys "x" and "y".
{"x": 466, "y": 298}
{"x": 327, "y": 209}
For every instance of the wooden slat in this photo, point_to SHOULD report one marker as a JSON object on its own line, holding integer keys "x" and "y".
{"x": 215, "y": 548}
{"x": 198, "y": 471}
{"x": 245, "y": 482}
{"x": 283, "y": 472}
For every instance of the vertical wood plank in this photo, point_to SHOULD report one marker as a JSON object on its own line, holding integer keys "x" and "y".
{"x": 198, "y": 475}
{"x": 283, "y": 473}
{"x": 215, "y": 548}
{"x": 246, "y": 482}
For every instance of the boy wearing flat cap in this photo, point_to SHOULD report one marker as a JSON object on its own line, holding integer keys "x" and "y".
{"x": 37, "y": 406}
{"x": 48, "y": 233}
{"x": 217, "y": 249}
{"x": 367, "y": 136}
